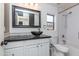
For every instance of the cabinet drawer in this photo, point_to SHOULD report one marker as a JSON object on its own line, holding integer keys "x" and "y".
{"x": 37, "y": 41}
{"x": 14, "y": 51}
{"x": 13, "y": 45}
{"x": 25, "y": 43}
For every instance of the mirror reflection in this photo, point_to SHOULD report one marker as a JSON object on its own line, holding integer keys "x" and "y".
{"x": 26, "y": 17}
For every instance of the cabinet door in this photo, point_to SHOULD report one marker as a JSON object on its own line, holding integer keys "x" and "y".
{"x": 43, "y": 49}
{"x": 31, "y": 50}
{"x": 14, "y": 52}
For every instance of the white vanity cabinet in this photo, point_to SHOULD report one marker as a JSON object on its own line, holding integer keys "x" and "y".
{"x": 31, "y": 50}
{"x": 44, "y": 49}
{"x": 37, "y": 47}
{"x": 37, "y": 50}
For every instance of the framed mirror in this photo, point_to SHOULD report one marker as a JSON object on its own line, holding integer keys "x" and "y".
{"x": 25, "y": 18}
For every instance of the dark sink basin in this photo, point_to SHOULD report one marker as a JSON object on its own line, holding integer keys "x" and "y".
{"x": 37, "y": 33}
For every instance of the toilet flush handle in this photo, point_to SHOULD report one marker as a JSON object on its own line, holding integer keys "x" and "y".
{"x": 64, "y": 41}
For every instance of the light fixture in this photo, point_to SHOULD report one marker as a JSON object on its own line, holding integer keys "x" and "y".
{"x": 33, "y": 4}
{"x": 36, "y": 4}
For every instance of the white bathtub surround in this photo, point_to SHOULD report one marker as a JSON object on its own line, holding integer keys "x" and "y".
{"x": 72, "y": 31}
{"x": 73, "y": 51}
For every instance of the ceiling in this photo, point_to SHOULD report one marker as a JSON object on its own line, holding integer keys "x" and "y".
{"x": 65, "y": 5}
{"x": 62, "y": 5}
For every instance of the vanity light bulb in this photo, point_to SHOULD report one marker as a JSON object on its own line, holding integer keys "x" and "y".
{"x": 36, "y": 4}
{"x": 31, "y": 4}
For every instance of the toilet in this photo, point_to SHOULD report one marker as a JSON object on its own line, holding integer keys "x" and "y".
{"x": 60, "y": 50}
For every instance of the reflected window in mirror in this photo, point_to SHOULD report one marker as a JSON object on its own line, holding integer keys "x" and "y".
{"x": 22, "y": 17}
{"x": 50, "y": 22}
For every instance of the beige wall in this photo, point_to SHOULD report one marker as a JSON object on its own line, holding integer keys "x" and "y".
{"x": 6, "y": 17}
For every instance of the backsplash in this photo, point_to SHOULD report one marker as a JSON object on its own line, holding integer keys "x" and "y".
{"x": 25, "y": 33}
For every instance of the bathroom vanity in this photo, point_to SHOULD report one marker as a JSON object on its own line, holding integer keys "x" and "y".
{"x": 27, "y": 45}
{"x": 24, "y": 20}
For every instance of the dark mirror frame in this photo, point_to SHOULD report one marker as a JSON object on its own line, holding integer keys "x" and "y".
{"x": 24, "y": 26}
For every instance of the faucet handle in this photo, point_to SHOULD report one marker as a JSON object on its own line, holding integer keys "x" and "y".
{"x": 39, "y": 29}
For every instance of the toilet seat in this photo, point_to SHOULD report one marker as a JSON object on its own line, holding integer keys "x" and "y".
{"x": 62, "y": 48}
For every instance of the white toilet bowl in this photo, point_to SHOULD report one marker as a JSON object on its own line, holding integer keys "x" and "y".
{"x": 61, "y": 49}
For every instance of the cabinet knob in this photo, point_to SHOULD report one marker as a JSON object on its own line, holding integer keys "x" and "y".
{"x": 12, "y": 54}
